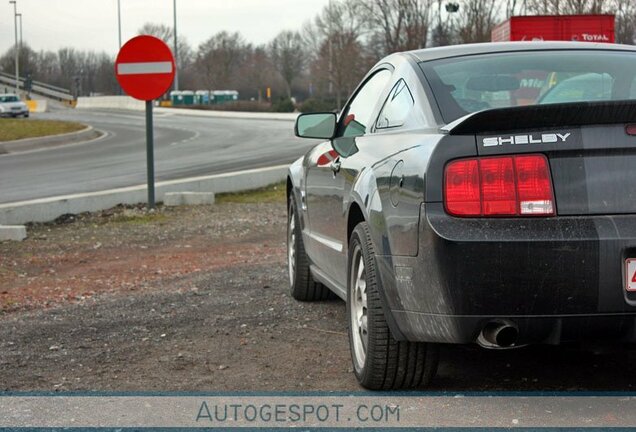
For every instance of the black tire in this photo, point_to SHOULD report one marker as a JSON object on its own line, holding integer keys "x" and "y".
{"x": 387, "y": 363}
{"x": 302, "y": 285}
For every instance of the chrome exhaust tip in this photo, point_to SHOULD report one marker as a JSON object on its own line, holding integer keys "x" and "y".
{"x": 498, "y": 334}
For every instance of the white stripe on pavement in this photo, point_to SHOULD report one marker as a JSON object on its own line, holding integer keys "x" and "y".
{"x": 144, "y": 68}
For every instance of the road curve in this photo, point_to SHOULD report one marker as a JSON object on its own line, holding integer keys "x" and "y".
{"x": 185, "y": 146}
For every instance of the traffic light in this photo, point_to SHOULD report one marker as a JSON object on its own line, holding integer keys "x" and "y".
{"x": 28, "y": 83}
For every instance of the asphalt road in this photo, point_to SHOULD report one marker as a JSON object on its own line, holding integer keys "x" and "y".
{"x": 185, "y": 146}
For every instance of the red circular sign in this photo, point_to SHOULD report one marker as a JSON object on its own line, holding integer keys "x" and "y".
{"x": 145, "y": 67}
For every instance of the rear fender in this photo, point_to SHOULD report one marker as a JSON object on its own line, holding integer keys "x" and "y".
{"x": 365, "y": 195}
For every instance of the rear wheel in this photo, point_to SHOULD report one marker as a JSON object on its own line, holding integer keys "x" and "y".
{"x": 302, "y": 285}
{"x": 379, "y": 361}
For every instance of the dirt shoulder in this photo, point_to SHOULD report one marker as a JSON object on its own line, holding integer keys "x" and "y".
{"x": 196, "y": 299}
{"x": 183, "y": 299}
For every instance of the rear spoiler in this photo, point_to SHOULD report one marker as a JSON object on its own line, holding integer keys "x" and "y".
{"x": 544, "y": 117}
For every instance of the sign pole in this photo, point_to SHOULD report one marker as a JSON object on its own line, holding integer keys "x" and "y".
{"x": 150, "y": 156}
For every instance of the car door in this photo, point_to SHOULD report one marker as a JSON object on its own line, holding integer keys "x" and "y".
{"x": 326, "y": 182}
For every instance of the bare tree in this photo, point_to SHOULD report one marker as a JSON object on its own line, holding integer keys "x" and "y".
{"x": 340, "y": 60}
{"x": 48, "y": 67}
{"x": 476, "y": 20}
{"x": 287, "y": 55}
{"x": 28, "y": 61}
{"x": 256, "y": 73}
{"x": 443, "y": 32}
{"x": 625, "y": 11}
{"x": 567, "y": 7}
{"x": 401, "y": 25}
{"x": 219, "y": 58}
{"x": 515, "y": 7}
{"x": 166, "y": 34}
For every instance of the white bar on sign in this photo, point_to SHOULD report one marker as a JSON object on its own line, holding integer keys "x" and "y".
{"x": 144, "y": 68}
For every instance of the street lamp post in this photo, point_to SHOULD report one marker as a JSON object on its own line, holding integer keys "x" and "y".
{"x": 119, "y": 90}
{"x": 21, "y": 43}
{"x": 17, "y": 47}
{"x": 119, "y": 21}
{"x": 176, "y": 50}
{"x": 331, "y": 52}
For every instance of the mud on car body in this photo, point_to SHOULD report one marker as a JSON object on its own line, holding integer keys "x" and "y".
{"x": 472, "y": 194}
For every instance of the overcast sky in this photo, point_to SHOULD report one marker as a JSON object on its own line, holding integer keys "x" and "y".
{"x": 92, "y": 24}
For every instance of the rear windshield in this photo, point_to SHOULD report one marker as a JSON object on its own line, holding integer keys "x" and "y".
{"x": 8, "y": 98}
{"x": 463, "y": 85}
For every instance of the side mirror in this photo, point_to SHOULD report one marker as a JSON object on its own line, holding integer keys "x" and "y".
{"x": 316, "y": 125}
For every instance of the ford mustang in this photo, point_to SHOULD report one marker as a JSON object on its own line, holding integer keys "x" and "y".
{"x": 472, "y": 194}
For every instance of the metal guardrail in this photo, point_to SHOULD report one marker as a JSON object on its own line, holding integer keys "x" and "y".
{"x": 39, "y": 83}
{"x": 38, "y": 87}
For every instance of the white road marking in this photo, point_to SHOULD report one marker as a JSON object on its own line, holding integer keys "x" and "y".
{"x": 196, "y": 135}
{"x": 144, "y": 68}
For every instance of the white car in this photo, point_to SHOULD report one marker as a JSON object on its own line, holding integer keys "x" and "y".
{"x": 12, "y": 106}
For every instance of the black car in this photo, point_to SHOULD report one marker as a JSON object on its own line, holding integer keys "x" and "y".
{"x": 472, "y": 194}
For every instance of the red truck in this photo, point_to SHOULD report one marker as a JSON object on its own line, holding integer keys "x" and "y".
{"x": 583, "y": 28}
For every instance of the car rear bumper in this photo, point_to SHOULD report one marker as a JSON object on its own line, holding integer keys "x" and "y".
{"x": 555, "y": 279}
{"x": 423, "y": 327}
{"x": 14, "y": 113}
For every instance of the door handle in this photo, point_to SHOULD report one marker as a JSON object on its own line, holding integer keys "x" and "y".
{"x": 335, "y": 166}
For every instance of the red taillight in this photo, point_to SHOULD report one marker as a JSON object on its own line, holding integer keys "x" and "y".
{"x": 630, "y": 129}
{"x": 534, "y": 186}
{"x": 462, "y": 188}
{"x": 499, "y": 186}
{"x": 498, "y": 195}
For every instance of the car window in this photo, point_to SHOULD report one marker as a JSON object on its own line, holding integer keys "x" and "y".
{"x": 463, "y": 85}
{"x": 358, "y": 116}
{"x": 397, "y": 107}
{"x": 580, "y": 88}
{"x": 8, "y": 98}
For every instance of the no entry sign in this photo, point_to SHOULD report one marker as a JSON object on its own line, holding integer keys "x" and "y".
{"x": 145, "y": 67}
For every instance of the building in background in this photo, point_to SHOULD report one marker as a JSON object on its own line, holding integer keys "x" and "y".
{"x": 581, "y": 28}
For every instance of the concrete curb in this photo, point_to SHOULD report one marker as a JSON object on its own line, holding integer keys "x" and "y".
{"x": 128, "y": 103}
{"x": 48, "y": 209}
{"x": 229, "y": 114}
{"x": 174, "y": 199}
{"x": 110, "y": 102}
{"x": 12, "y": 233}
{"x": 30, "y": 144}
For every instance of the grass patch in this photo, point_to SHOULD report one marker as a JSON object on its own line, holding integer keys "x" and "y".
{"x": 270, "y": 194}
{"x": 15, "y": 129}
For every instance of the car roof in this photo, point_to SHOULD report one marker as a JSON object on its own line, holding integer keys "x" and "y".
{"x": 8, "y": 94}
{"x": 437, "y": 53}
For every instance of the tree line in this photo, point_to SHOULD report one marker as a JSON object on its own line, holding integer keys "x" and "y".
{"x": 325, "y": 58}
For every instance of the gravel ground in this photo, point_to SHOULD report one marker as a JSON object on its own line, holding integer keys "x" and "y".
{"x": 196, "y": 299}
